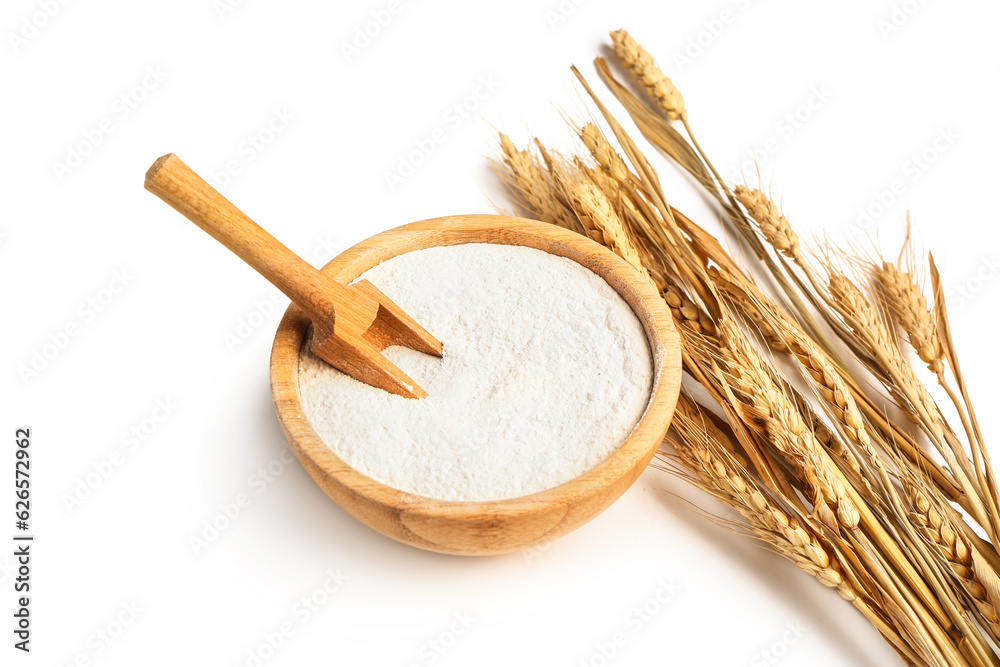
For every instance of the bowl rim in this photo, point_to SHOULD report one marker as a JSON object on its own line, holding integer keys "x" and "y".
{"x": 636, "y": 450}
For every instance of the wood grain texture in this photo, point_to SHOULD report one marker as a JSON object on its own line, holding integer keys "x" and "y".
{"x": 481, "y": 528}
{"x": 352, "y": 323}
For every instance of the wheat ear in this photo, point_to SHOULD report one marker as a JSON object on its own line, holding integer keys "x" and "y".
{"x": 533, "y": 187}
{"x": 766, "y": 409}
{"x": 749, "y": 308}
{"x": 908, "y": 307}
{"x": 603, "y": 152}
{"x": 709, "y": 455}
{"x": 772, "y": 224}
{"x": 649, "y": 74}
{"x": 952, "y": 545}
{"x": 871, "y": 331}
{"x": 600, "y": 220}
{"x": 707, "y": 452}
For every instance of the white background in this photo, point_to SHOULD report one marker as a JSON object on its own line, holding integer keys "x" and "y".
{"x": 320, "y": 186}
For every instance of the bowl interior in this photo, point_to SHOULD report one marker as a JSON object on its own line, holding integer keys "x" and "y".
{"x": 487, "y": 526}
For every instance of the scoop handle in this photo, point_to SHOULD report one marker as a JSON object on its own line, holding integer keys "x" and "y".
{"x": 318, "y": 295}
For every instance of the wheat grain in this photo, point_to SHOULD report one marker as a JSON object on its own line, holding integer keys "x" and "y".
{"x": 686, "y": 313}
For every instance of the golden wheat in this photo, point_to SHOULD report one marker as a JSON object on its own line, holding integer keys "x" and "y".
{"x": 772, "y": 224}
{"x": 908, "y": 307}
{"x": 649, "y": 74}
{"x": 710, "y": 455}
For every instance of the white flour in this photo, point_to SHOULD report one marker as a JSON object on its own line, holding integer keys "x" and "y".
{"x": 546, "y": 371}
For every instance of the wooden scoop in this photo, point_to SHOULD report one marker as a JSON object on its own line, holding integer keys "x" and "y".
{"x": 351, "y": 324}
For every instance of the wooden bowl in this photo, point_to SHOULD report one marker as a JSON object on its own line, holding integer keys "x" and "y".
{"x": 479, "y": 528}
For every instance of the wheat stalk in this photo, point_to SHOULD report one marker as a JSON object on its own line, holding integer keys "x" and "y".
{"x": 706, "y": 451}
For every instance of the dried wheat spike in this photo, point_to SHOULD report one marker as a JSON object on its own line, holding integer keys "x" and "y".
{"x": 771, "y": 223}
{"x": 707, "y": 452}
{"x": 748, "y": 307}
{"x": 532, "y": 186}
{"x": 612, "y": 189}
{"x": 600, "y": 220}
{"x": 835, "y": 392}
{"x": 649, "y": 74}
{"x": 838, "y": 398}
{"x": 782, "y": 334}
{"x": 768, "y": 410}
{"x": 872, "y": 332}
{"x": 604, "y": 153}
{"x": 955, "y": 549}
{"x": 908, "y": 307}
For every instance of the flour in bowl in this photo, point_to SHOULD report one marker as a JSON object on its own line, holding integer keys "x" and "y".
{"x": 546, "y": 371}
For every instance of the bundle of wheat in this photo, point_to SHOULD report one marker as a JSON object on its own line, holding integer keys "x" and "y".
{"x": 827, "y": 480}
